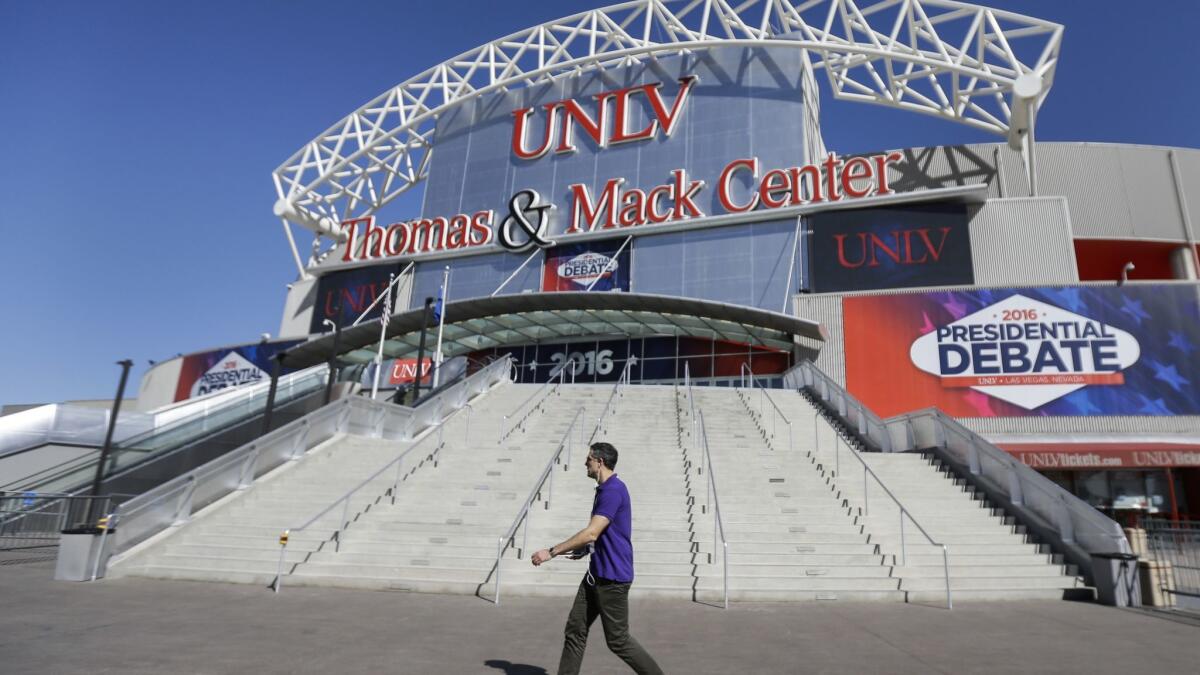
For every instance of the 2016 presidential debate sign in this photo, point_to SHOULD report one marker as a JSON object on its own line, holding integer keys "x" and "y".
{"x": 1100, "y": 350}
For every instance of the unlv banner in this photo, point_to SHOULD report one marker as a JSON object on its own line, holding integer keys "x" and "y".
{"x": 1063, "y": 351}
{"x": 896, "y": 247}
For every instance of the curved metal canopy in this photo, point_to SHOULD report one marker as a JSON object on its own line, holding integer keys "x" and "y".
{"x": 974, "y": 65}
{"x": 483, "y": 323}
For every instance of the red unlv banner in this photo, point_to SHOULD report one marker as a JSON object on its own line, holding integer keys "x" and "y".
{"x": 404, "y": 371}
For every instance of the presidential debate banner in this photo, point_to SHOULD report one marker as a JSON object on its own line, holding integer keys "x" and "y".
{"x": 207, "y": 372}
{"x": 897, "y": 247}
{"x": 1061, "y": 351}
{"x": 594, "y": 264}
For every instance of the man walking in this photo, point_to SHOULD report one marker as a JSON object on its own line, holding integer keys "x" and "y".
{"x": 604, "y": 591}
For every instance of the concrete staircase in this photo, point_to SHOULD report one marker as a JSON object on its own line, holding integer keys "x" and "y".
{"x": 441, "y": 534}
{"x": 236, "y": 539}
{"x": 791, "y": 536}
{"x": 797, "y": 523}
{"x": 644, "y": 426}
{"x": 990, "y": 558}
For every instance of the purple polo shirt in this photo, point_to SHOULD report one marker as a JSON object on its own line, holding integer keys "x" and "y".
{"x": 613, "y": 557}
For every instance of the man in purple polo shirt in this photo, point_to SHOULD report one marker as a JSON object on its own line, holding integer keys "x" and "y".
{"x": 604, "y": 591}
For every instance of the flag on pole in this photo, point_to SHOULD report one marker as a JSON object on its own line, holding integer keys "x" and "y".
{"x": 383, "y": 322}
{"x": 441, "y": 321}
{"x": 387, "y": 307}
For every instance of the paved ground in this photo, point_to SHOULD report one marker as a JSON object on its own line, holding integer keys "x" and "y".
{"x": 143, "y": 626}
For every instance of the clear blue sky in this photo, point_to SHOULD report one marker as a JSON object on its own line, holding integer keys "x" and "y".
{"x": 139, "y": 140}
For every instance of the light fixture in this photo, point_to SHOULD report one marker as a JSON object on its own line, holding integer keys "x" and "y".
{"x": 1129, "y": 267}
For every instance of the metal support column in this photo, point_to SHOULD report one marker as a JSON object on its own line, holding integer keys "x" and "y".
{"x": 106, "y": 449}
{"x": 276, "y": 366}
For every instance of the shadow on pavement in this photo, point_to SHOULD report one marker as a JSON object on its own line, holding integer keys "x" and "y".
{"x": 515, "y": 668}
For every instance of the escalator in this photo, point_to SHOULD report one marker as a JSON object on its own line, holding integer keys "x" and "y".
{"x": 146, "y": 460}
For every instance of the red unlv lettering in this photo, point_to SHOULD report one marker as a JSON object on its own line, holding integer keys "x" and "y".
{"x": 568, "y": 115}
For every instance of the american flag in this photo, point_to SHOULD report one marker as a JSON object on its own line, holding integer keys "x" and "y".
{"x": 387, "y": 307}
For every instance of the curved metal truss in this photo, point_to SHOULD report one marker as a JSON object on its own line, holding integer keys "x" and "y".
{"x": 956, "y": 61}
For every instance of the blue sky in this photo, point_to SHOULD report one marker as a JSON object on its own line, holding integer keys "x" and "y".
{"x": 140, "y": 139}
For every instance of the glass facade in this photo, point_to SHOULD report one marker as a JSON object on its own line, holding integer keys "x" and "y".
{"x": 747, "y": 265}
{"x": 746, "y": 102}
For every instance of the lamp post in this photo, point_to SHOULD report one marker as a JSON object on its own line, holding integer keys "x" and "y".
{"x": 1129, "y": 267}
{"x": 333, "y": 353}
{"x": 108, "y": 435}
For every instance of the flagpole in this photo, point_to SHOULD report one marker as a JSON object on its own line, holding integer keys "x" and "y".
{"x": 383, "y": 322}
{"x": 437, "y": 371}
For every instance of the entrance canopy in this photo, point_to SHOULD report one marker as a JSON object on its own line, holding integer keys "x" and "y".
{"x": 528, "y": 318}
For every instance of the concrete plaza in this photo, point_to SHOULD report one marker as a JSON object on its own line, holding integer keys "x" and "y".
{"x": 134, "y": 625}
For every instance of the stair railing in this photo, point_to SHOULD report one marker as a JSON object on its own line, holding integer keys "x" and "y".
{"x": 344, "y": 501}
{"x": 751, "y": 382}
{"x": 869, "y": 473}
{"x": 567, "y": 442}
{"x": 1051, "y": 512}
{"x": 618, "y": 390}
{"x": 687, "y": 385}
{"x": 866, "y": 424}
{"x": 174, "y": 502}
{"x": 522, "y": 413}
{"x": 715, "y": 507}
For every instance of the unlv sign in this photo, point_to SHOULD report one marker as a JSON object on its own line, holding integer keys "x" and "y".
{"x": 562, "y": 118}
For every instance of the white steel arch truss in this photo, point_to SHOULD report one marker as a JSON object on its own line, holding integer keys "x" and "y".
{"x": 985, "y": 68}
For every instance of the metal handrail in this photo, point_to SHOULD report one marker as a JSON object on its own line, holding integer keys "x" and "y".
{"x": 336, "y": 537}
{"x": 868, "y": 425}
{"x": 566, "y": 442}
{"x": 687, "y": 385}
{"x": 714, "y": 500}
{"x": 867, "y": 470}
{"x": 762, "y": 393}
{"x": 541, "y": 393}
{"x": 1081, "y": 528}
{"x": 618, "y": 386}
{"x": 344, "y": 500}
{"x": 173, "y": 502}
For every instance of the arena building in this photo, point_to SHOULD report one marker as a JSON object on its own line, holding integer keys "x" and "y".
{"x": 650, "y": 186}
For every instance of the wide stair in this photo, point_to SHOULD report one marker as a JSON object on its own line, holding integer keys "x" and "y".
{"x": 237, "y": 539}
{"x": 990, "y": 557}
{"x": 798, "y": 524}
{"x": 791, "y": 535}
{"x": 644, "y": 426}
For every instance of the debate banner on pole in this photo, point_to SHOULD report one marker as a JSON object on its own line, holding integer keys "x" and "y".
{"x": 575, "y": 267}
{"x": 1055, "y": 351}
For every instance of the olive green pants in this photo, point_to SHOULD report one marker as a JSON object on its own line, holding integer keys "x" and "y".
{"x": 608, "y": 600}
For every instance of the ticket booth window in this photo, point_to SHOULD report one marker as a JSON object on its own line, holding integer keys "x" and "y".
{"x": 1128, "y": 489}
{"x": 1092, "y": 487}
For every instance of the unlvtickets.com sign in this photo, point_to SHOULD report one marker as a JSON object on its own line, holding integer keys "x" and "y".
{"x": 1026, "y": 352}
